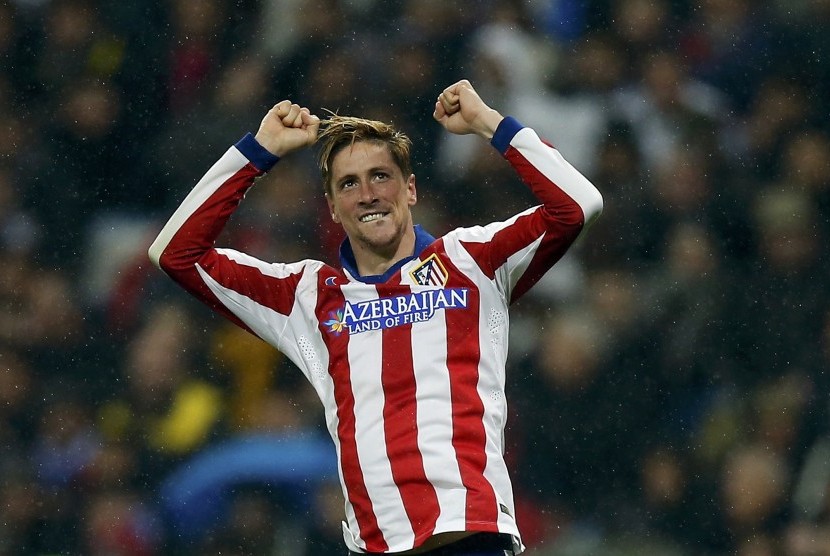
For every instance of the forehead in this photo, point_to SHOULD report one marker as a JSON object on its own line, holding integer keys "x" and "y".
{"x": 361, "y": 156}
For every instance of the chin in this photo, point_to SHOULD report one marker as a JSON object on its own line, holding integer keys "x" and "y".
{"x": 380, "y": 244}
{"x": 382, "y": 240}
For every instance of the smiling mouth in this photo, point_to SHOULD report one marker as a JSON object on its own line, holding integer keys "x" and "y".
{"x": 371, "y": 217}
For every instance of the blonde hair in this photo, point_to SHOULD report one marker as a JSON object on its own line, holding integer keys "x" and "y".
{"x": 338, "y": 132}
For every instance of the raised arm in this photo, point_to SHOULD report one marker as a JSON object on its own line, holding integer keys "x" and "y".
{"x": 184, "y": 249}
{"x": 286, "y": 127}
{"x": 517, "y": 252}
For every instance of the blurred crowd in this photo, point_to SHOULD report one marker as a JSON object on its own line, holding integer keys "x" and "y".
{"x": 667, "y": 379}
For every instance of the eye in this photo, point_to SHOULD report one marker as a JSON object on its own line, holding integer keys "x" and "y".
{"x": 346, "y": 184}
{"x": 380, "y": 176}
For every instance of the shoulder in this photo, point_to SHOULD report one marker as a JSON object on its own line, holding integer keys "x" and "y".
{"x": 484, "y": 232}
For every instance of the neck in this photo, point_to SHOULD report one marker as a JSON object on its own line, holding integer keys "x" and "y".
{"x": 347, "y": 256}
{"x": 372, "y": 261}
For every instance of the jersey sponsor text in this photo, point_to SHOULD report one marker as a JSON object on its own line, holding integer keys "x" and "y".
{"x": 389, "y": 312}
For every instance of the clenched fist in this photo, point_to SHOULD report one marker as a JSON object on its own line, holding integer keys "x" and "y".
{"x": 287, "y": 127}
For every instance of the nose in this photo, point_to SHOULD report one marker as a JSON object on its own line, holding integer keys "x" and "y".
{"x": 366, "y": 192}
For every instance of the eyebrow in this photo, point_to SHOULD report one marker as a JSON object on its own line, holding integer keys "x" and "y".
{"x": 373, "y": 170}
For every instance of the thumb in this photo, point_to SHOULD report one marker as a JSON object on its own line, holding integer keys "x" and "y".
{"x": 439, "y": 113}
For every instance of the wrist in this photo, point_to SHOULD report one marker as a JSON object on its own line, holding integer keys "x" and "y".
{"x": 488, "y": 122}
{"x": 267, "y": 142}
{"x": 260, "y": 156}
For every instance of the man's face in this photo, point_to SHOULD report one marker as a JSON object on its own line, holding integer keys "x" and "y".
{"x": 371, "y": 198}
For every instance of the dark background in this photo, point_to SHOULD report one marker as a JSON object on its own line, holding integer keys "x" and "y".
{"x": 667, "y": 380}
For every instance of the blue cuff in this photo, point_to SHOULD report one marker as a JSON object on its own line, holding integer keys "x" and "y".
{"x": 507, "y": 129}
{"x": 256, "y": 153}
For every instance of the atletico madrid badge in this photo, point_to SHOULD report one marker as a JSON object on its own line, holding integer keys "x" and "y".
{"x": 431, "y": 272}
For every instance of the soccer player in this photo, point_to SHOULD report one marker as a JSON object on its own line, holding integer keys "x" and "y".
{"x": 406, "y": 342}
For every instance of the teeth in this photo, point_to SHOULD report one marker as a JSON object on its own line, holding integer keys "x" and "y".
{"x": 371, "y": 217}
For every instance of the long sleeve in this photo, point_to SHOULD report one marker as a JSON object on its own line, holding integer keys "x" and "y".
{"x": 518, "y": 252}
{"x": 185, "y": 250}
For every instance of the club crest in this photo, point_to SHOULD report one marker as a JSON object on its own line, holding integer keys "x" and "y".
{"x": 431, "y": 272}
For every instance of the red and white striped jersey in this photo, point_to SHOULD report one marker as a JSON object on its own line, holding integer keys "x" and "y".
{"x": 409, "y": 365}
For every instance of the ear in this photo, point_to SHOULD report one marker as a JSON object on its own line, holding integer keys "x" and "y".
{"x": 412, "y": 193}
{"x": 333, "y": 213}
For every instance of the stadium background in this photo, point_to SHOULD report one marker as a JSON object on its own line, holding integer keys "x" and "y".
{"x": 667, "y": 380}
